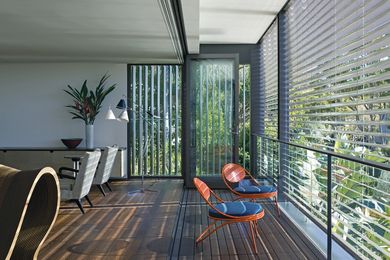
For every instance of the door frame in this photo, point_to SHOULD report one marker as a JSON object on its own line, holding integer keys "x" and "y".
{"x": 188, "y": 147}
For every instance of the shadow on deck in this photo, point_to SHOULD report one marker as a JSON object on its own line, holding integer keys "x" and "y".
{"x": 164, "y": 225}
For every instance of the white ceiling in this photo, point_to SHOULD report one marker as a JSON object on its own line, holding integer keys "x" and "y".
{"x": 128, "y": 31}
{"x": 124, "y": 31}
{"x": 236, "y": 21}
{"x": 190, "y": 9}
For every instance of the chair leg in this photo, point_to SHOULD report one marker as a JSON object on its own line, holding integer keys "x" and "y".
{"x": 277, "y": 205}
{"x": 200, "y": 237}
{"x": 256, "y": 229}
{"x": 78, "y": 202}
{"x": 89, "y": 201}
{"x": 251, "y": 225}
{"x": 108, "y": 186}
{"x": 206, "y": 233}
{"x": 101, "y": 189}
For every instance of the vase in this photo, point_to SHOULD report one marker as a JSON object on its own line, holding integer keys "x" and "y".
{"x": 89, "y": 136}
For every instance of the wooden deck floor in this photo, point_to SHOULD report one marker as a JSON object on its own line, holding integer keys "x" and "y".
{"x": 164, "y": 225}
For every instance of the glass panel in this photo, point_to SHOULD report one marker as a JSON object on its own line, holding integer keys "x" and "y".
{"x": 360, "y": 207}
{"x": 214, "y": 97}
{"x": 306, "y": 180}
{"x": 268, "y": 160}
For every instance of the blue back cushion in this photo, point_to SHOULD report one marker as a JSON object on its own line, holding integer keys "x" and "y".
{"x": 246, "y": 186}
{"x": 236, "y": 208}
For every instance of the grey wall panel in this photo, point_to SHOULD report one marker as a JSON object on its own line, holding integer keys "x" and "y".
{"x": 243, "y": 50}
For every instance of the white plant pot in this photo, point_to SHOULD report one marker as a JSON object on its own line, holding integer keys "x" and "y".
{"x": 89, "y": 136}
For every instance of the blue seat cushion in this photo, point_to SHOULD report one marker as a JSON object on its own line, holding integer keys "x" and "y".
{"x": 247, "y": 187}
{"x": 236, "y": 208}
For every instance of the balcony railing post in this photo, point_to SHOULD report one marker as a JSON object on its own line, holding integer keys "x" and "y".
{"x": 329, "y": 207}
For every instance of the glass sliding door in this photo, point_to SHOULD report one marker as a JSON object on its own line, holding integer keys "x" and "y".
{"x": 213, "y": 118}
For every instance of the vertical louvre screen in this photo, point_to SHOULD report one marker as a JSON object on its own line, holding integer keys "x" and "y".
{"x": 244, "y": 113}
{"x": 155, "y": 94}
{"x": 268, "y": 150}
{"x": 339, "y": 100}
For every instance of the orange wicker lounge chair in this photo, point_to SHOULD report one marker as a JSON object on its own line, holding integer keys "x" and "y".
{"x": 229, "y": 213}
{"x": 247, "y": 188}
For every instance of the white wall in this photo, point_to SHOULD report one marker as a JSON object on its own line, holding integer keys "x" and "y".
{"x": 32, "y": 103}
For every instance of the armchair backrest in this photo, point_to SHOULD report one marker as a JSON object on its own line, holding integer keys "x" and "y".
{"x": 202, "y": 188}
{"x": 86, "y": 173}
{"x": 205, "y": 192}
{"x": 233, "y": 173}
{"x": 105, "y": 166}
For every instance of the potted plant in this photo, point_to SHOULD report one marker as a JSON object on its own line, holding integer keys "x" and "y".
{"x": 87, "y": 104}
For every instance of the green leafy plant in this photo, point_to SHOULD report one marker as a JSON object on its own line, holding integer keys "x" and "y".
{"x": 87, "y": 103}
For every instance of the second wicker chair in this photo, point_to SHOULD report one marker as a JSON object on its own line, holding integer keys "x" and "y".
{"x": 246, "y": 186}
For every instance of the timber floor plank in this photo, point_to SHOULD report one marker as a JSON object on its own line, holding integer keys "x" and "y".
{"x": 119, "y": 226}
{"x": 303, "y": 245}
{"x": 279, "y": 234}
{"x": 232, "y": 241}
{"x": 188, "y": 243}
{"x": 164, "y": 225}
{"x": 178, "y": 230}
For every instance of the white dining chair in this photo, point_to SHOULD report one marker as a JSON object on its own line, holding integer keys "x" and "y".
{"x": 105, "y": 168}
{"x": 76, "y": 187}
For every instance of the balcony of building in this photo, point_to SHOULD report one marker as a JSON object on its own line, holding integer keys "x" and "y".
{"x": 297, "y": 92}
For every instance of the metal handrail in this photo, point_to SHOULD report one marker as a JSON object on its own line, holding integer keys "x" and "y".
{"x": 382, "y": 166}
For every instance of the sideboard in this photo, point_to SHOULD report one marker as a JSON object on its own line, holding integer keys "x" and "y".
{"x": 36, "y": 158}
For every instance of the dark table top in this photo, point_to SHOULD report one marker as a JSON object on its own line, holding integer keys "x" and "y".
{"x": 74, "y": 158}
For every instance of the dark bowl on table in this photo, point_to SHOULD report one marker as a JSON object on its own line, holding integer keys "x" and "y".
{"x": 71, "y": 143}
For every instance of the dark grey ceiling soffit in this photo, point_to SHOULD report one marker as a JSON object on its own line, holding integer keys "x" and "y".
{"x": 244, "y": 50}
